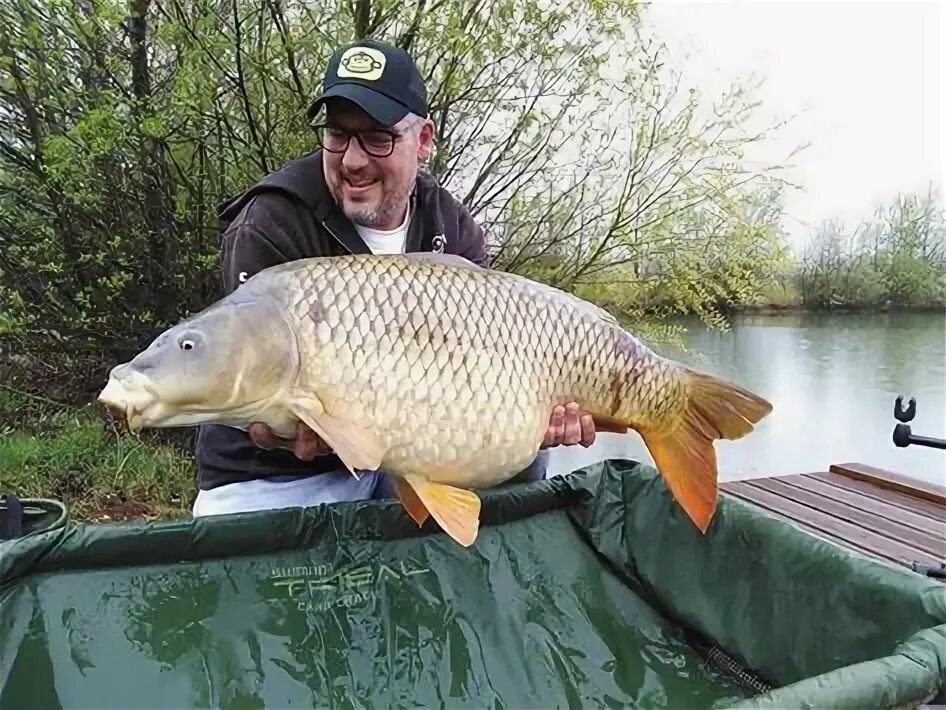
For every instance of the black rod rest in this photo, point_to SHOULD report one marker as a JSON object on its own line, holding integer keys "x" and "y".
{"x": 902, "y": 435}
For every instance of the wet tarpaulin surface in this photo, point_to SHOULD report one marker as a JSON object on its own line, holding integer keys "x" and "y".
{"x": 590, "y": 590}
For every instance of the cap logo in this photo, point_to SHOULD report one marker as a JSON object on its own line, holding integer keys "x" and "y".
{"x": 365, "y": 63}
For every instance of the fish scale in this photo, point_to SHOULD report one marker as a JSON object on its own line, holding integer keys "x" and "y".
{"x": 440, "y": 373}
{"x": 501, "y": 335}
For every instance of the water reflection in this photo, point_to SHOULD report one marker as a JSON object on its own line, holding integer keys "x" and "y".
{"x": 833, "y": 380}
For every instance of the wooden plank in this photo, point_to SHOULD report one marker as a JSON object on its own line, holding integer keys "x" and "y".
{"x": 821, "y": 534}
{"x": 900, "y": 500}
{"x": 862, "y": 501}
{"x": 893, "y": 481}
{"x": 851, "y": 534}
{"x": 880, "y": 524}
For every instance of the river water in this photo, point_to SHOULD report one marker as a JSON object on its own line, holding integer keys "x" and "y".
{"x": 833, "y": 380}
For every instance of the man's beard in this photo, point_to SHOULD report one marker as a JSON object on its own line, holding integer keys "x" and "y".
{"x": 368, "y": 217}
{"x": 374, "y": 216}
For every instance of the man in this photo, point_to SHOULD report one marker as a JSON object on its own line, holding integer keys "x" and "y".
{"x": 362, "y": 192}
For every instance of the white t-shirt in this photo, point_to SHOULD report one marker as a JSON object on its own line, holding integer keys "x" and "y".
{"x": 386, "y": 241}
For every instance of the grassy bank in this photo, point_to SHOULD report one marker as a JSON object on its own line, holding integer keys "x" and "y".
{"x": 785, "y": 296}
{"x": 655, "y": 316}
{"x": 76, "y": 455}
{"x": 791, "y": 293}
{"x": 765, "y": 308}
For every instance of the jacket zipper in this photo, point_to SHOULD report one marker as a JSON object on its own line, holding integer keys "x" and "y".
{"x": 335, "y": 237}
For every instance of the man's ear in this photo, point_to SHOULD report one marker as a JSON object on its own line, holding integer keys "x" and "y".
{"x": 425, "y": 140}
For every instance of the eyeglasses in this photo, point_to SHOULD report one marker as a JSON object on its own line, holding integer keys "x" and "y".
{"x": 376, "y": 142}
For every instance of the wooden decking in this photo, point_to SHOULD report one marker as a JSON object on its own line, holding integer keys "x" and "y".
{"x": 878, "y": 513}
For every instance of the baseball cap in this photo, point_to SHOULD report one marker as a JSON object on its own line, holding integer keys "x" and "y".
{"x": 380, "y": 78}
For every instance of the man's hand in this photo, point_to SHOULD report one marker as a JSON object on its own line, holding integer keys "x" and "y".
{"x": 570, "y": 426}
{"x": 306, "y": 446}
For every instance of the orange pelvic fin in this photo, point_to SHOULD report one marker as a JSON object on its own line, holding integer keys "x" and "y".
{"x": 683, "y": 451}
{"x": 456, "y": 510}
{"x": 411, "y": 501}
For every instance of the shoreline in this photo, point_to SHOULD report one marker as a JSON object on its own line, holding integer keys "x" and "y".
{"x": 796, "y": 309}
{"x": 859, "y": 309}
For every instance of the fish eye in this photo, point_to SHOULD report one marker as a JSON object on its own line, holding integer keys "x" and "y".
{"x": 187, "y": 342}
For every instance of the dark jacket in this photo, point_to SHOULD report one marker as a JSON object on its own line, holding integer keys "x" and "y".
{"x": 291, "y": 215}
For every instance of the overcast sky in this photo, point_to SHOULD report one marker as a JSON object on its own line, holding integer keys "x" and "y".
{"x": 869, "y": 75}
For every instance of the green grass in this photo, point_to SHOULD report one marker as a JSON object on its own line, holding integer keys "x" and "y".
{"x": 101, "y": 472}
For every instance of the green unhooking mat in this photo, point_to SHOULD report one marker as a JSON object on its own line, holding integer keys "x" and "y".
{"x": 589, "y": 590}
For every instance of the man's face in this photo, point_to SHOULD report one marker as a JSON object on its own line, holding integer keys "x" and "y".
{"x": 374, "y": 191}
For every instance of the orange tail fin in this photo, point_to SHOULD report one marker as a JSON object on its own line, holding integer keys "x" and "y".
{"x": 713, "y": 409}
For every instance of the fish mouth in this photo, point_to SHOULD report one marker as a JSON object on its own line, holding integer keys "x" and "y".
{"x": 130, "y": 402}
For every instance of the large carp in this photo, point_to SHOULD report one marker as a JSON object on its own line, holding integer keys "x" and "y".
{"x": 436, "y": 370}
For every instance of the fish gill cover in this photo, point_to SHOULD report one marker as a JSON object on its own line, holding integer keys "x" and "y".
{"x": 588, "y": 589}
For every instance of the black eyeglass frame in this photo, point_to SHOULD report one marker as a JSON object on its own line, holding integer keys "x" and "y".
{"x": 393, "y": 137}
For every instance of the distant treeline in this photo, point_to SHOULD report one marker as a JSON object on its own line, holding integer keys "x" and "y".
{"x": 895, "y": 261}
{"x": 898, "y": 259}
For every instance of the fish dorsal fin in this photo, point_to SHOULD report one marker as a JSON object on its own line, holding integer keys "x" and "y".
{"x": 454, "y": 260}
